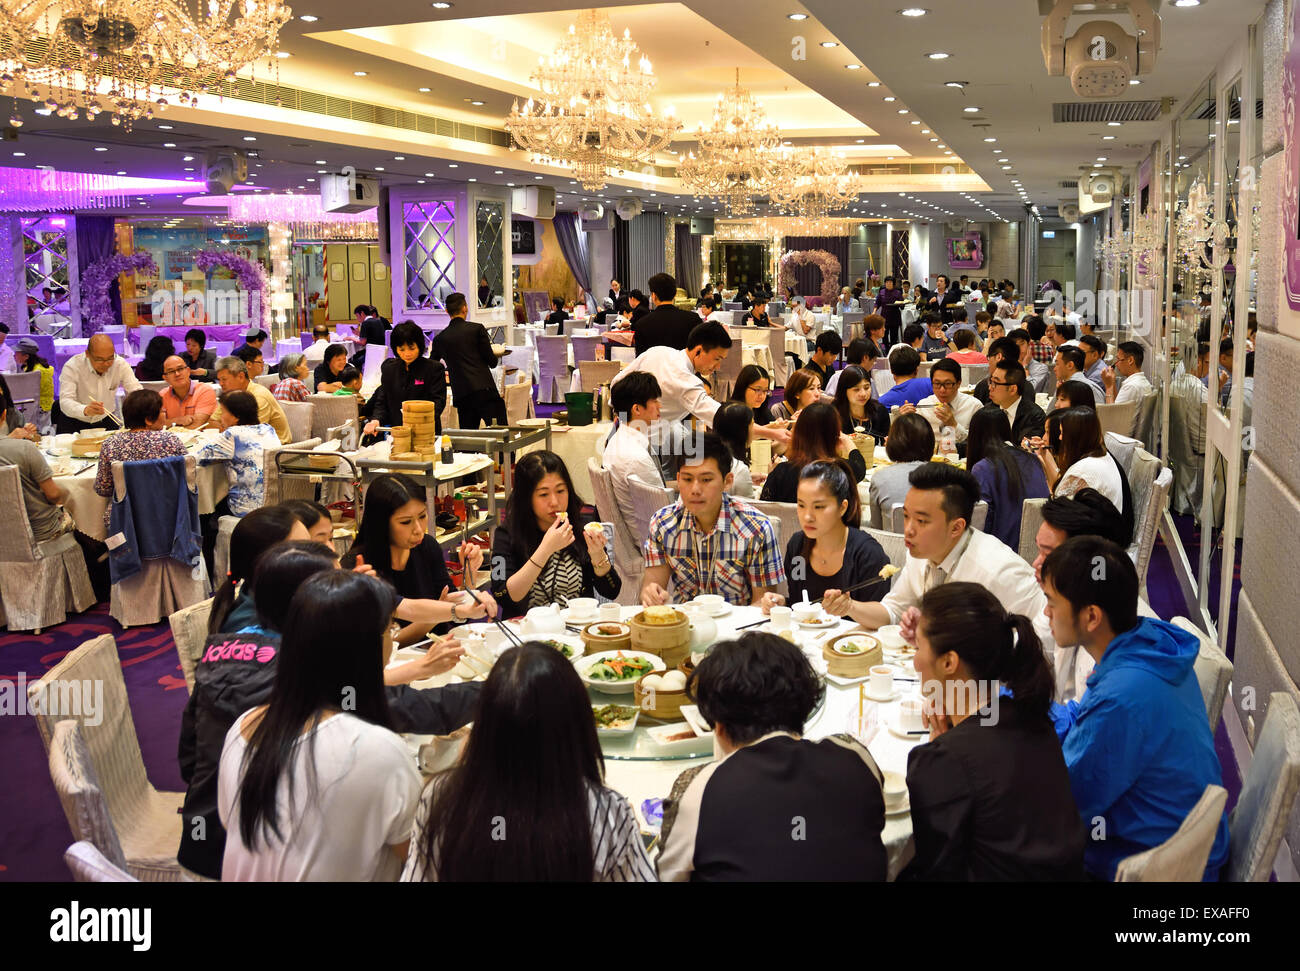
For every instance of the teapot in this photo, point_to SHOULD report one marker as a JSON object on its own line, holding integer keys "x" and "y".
{"x": 544, "y": 620}
{"x": 704, "y": 630}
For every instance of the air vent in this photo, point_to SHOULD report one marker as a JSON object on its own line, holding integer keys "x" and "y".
{"x": 1097, "y": 111}
{"x": 1069, "y": 183}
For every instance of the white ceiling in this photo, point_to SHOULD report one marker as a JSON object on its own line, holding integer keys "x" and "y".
{"x": 405, "y": 45}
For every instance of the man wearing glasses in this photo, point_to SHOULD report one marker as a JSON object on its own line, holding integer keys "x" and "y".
{"x": 88, "y": 388}
{"x": 186, "y": 402}
{"x": 947, "y": 407}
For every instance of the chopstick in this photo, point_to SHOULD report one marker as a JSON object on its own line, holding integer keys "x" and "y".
{"x": 756, "y": 623}
{"x": 501, "y": 626}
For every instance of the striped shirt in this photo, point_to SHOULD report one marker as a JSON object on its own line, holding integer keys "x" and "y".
{"x": 739, "y": 554}
{"x": 617, "y": 853}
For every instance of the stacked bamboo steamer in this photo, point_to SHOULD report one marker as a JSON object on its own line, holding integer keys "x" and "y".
{"x": 416, "y": 439}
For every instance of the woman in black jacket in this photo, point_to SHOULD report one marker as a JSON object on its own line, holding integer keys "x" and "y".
{"x": 857, "y": 408}
{"x": 407, "y": 376}
{"x": 990, "y": 794}
{"x": 542, "y": 548}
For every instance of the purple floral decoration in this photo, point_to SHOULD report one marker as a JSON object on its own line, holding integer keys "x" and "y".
{"x": 96, "y": 310}
{"x": 824, "y": 261}
{"x": 251, "y": 277}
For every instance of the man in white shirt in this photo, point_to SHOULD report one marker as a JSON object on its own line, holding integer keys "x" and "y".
{"x": 88, "y": 387}
{"x": 679, "y": 372}
{"x": 941, "y": 547}
{"x": 6, "y": 353}
{"x": 947, "y": 407}
{"x": 1128, "y": 362}
{"x": 636, "y": 402}
{"x": 315, "y": 354}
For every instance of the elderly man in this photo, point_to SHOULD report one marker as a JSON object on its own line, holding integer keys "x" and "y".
{"x": 320, "y": 335}
{"x": 186, "y": 402}
{"x": 88, "y": 388}
{"x": 232, "y": 375}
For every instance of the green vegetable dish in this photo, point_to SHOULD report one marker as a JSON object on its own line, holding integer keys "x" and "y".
{"x": 619, "y": 668}
{"x": 850, "y": 647}
{"x": 565, "y": 649}
{"x": 614, "y": 716}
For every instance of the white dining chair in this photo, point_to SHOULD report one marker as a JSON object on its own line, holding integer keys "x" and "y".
{"x": 189, "y": 627}
{"x": 1268, "y": 793}
{"x": 1182, "y": 857}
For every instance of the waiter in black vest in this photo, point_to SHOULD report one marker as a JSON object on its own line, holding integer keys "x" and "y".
{"x": 466, "y": 349}
{"x": 664, "y": 325}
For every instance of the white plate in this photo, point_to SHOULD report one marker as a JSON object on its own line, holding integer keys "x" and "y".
{"x": 892, "y": 696}
{"x": 566, "y": 613}
{"x": 693, "y": 718}
{"x": 585, "y": 663}
{"x": 659, "y": 732}
{"x": 601, "y": 730}
{"x": 572, "y": 641}
{"x": 826, "y": 623}
{"x": 723, "y": 612}
{"x": 846, "y": 682}
{"x": 893, "y": 725}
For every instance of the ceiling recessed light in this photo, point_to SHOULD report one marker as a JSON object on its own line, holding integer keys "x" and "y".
{"x": 1101, "y": 158}
{"x": 1107, "y": 138}
{"x": 935, "y": 139}
{"x": 399, "y": 158}
{"x": 796, "y": 16}
{"x": 1113, "y": 124}
{"x": 282, "y": 54}
{"x": 100, "y": 148}
{"x": 379, "y": 168}
{"x": 425, "y": 90}
{"x": 925, "y": 131}
{"x": 478, "y": 103}
{"x": 311, "y": 180}
{"x": 971, "y": 109}
{"x": 453, "y": 165}
{"x": 938, "y": 55}
{"x": 1134, "y": 81}
{"x": 169, "y": 144}
{"x": 441, "y": 5}
{"x": 902, "y": 111}
{"x": 915, "y": 122}
{"x": 1187, "y": 3}
{"x": 538, "y": 178}
{"x": 890, "y": 97}
{"x": 359, "y": 74}
{"x": 830, "y": 43}
{"x": 164, "y": 127}
{"x": 510, "y": 185}
{"x": 471, "y": 180}
{"x": 20, "y": 154}
{"x": 873, "y": 84}
{"x": 189, "y": 168}
{"x": 499, "y": 172}
{"x": 1006, "y": 168}
{"x": 853, "y": 67}
{"x": 308, "y": 18}
{"x": 990, "y": 139}
{"x": 913, "y": 11}
{"x": 861, "y": 140}
{"x": 954, "y": 84}
{"x": 250, "y": 138}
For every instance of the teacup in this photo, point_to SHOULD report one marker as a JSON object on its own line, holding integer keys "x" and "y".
{"x": 909, "y": 715}
{"x": 610, "y": 613}
{"x": 781, "y": 617}
{"x": 891, "y": 636}
{"x": 895, "y": 788}
{"x": 806, "y": 613}
{"x": 582, "y": 608}
{"x": 711, "y": 603}
{"x": 882, "y": 680}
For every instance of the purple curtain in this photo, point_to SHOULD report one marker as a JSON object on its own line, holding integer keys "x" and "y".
{"x": 573, "y": 244}
{"x": 96, "y": 241}
{"x": 808, "y": 279}
{"x": 688, "y": 265}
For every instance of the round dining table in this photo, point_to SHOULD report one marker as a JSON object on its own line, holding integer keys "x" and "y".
{"x": 643, "y": 770}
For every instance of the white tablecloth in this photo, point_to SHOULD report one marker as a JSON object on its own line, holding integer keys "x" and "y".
{"x": 575, "y": 446}
{"x": 87, "y": 507}
{"x": 641, "y": 780}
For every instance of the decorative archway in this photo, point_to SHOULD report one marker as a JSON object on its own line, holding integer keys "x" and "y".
{"x": 252, "y": 280}
{"x": 95, "y": 282}
{"x": 824, "y": 261}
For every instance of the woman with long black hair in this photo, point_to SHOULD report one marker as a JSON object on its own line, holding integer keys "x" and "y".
{"x": 856, "y": 406}
{"x": 313, "y": 785}
{"x": 543, "y": 549}
{"x": 990, "y": 793}
{"x": 527, "y": 800}
{"x": 232, "y": 606}
{"x": 394, "y": 540}
{"x": 816, "y": 438}
{"x": 1007, "y": 475}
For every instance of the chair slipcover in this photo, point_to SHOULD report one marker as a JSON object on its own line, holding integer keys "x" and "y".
{"x": 1268, "y": 794}
{"x": 647, "y": 500}
{"x": 1031, "y": 518}
{"x": 724, "y": 378}
{"x": 979, "y": 515}
{"x": 163, "y": 585}
{"x": 892, "y": 543}
{"x": 1213, "y": 671}
{"x": 40, "y": 583}
{"x": 299, "y": 416}
{"x": 328, "y": 411}
{"x": 584, "y": 348}
{"x": 153, "y": 385}
{"x": 148, "y": 822}
{"x": 595, "y": 373}
{"x": 776, "y": 347}
{"x": 882, "y": 379}
{"x": 973, "y": 373}
{"x": 190, "y": 631}
{"x": 893, "y": 517}
{"x": 77, "y": 787}
{"x": 786, "y": 514}
{"x": 88, "y": 865}
{"x": 552, "y": 368}
{"x": 519, "y": 400}
{"x": 221, "y": 552}
{"x": 268, "y": 381}
{"x": 1182, "y": 857}
{"x": 1146, "y": 420}
{"x": 627, "y": 551}
{"x": 1118, "y": 418}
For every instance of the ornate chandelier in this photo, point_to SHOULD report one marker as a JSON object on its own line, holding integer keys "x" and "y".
{"x": 594, "y": 113}
{"x": 128, "y": 56}
{"x": 738, "y": 153}
{"x": 811, "y": 184}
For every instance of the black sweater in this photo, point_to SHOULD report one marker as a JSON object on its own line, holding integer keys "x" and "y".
{"x": 422, "y": 380}
{"x": 507, "y": 560}
{"x": 782, "y": 483}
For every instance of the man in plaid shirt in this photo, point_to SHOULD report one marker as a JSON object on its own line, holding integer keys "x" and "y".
{"x": 708, "y": 542}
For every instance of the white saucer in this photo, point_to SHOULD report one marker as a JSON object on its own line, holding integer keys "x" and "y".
{"x": 713, "y": 614}
{"x": 906, "y": 807}
{"x": 893, "y": 696}
{"x": 567, "y": 614}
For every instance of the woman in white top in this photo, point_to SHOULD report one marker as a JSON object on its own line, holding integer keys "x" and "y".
{"x": 313, "y": 785}
{"x": 527, "y": 800}
{"x": 1074, "y": 457}
{"x": 733, "y": 423}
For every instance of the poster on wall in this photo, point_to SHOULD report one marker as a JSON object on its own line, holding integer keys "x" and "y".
{"x": 1291, "y": 183}
{"x": 965, "y": 252}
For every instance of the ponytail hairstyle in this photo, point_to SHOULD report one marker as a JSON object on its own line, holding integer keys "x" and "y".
{"x": 255, "y": 534}
{"x": 993, "y": 644}
{"x": 836, "y": 477}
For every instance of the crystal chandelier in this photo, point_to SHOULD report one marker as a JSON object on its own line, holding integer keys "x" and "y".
{"x": 594, "y": 111}
{"x": 811, "y": 184}
{"x": 737, "y": 154}
{"x": 129, "y": 56}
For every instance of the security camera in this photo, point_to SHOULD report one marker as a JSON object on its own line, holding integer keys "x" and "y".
{"x": 1100, "y": 58}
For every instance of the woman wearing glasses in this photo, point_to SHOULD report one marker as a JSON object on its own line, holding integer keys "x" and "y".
{"x": 754, "y": 388}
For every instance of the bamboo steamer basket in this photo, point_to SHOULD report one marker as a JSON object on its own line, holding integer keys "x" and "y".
{"x": 852, "y": 665}
{"x": 669, "y": 642}
{"x": 323, "y": 461}
{"x": 667, "y": 704}
{"x": 595, "y": 641}
{"x": 418, "y": 407}
{"x": 407, "y": 457}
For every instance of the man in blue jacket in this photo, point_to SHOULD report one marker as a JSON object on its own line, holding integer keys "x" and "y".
{"x": 1138, "y": 744}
